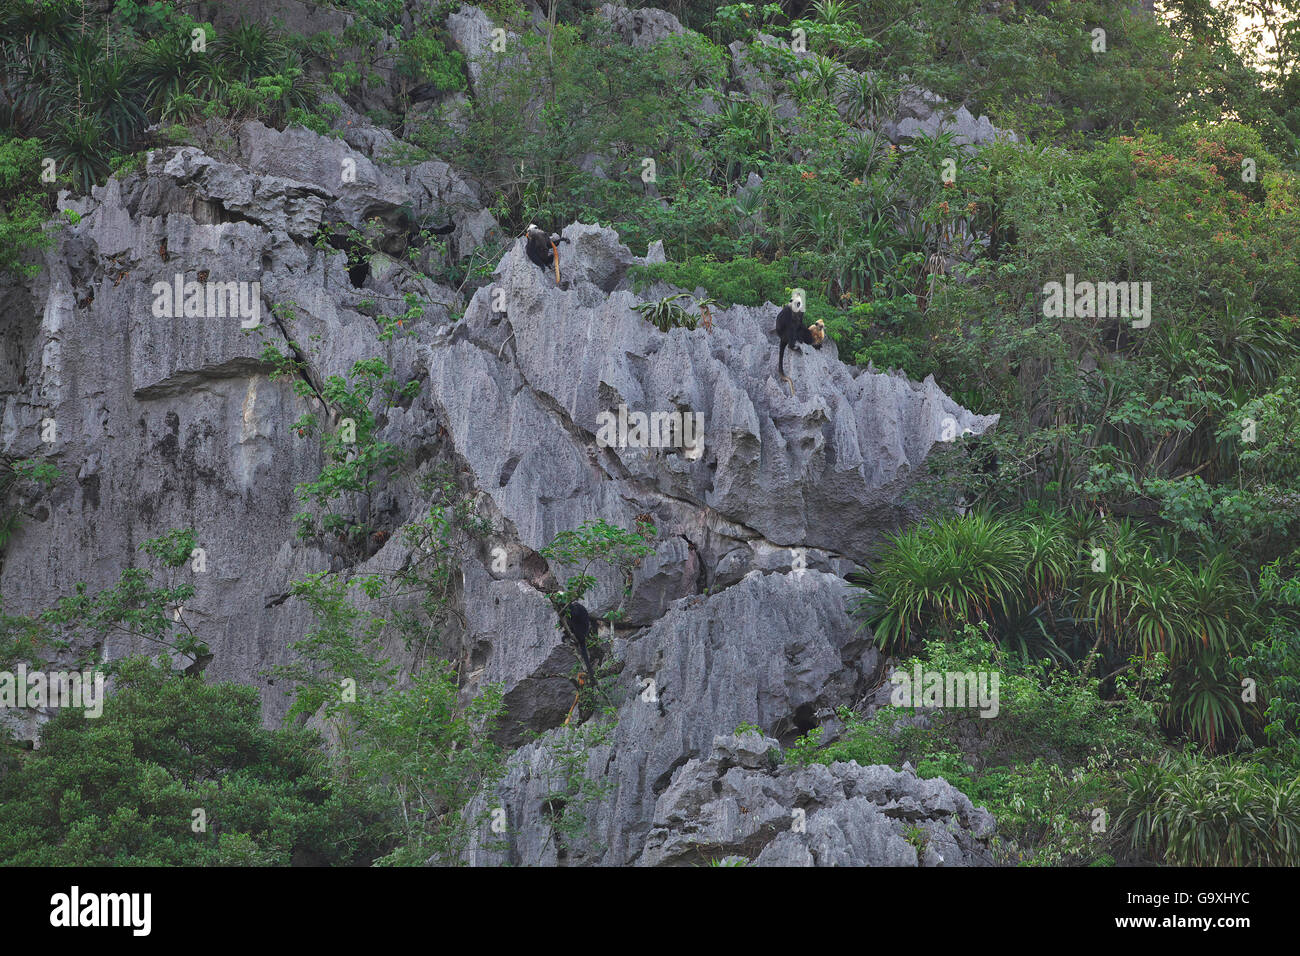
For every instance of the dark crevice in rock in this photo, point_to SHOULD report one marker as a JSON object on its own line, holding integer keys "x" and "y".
{"x": 663, "y": 780}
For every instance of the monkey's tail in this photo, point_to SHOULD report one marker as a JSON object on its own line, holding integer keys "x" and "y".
{"x": 780, "y": 360}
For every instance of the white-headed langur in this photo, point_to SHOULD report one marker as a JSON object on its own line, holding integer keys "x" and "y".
{"x": 791, "y": 331}
{"x": 541, "y": 249}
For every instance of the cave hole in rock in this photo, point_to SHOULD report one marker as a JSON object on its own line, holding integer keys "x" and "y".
{"x": 787, "y": 729}
{"x": 805, "y": 718}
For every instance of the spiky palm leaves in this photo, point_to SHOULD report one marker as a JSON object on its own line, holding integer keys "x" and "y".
{"x": 89, "y": 95}
{"x": 1191, "y": 811}
{"x": 32, "y": 38}
{"x": 938, "y": 576}
{"x": 667, "y": 313}
{"x": 1044, "y": 582}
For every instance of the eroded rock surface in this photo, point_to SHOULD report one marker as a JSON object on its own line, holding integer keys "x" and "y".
{"x": 739, "y": 802}
{"x": 168, "y": 420}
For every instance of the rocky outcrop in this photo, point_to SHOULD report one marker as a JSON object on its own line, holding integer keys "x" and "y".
{"x": 169, "y": 417}
{"x": 473, "y": 33}
{"x": 785, "y": 468}
{"x": 923, "y": 113}
{"x": 641, "y": 27}
{"x": 777, "y": 651}
{"x": 918, "y": 111}
{"x": 741, "y": 802}
{"x": 174, "y": 422}
{"x": 171, "y": 420}
{"x": 756, "y": 81}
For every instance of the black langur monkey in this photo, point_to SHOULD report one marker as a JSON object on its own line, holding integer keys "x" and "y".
{"x": 791, "y": 331}
{"x": 575, "y": 621}
{"x": 540, "y": 248}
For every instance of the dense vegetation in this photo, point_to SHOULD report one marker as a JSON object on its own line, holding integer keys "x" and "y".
{"x": 1131, "y": 566}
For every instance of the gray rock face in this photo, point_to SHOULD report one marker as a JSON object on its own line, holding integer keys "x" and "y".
{"x": 739, "y": 802}
{"x": 471, "y": 31}
{"x": 782, "y": 466}
{"x": 918, "y": 112}
{"x": 281, "y": 205}
{"x": 774, "y": 651}
{"x": 300, "y": 17}
{"x": 922, "y": 113}
{"x": 361, "y": 189}
{"x": 643, "y": 27}
{"x": 740, "y": 616}
{"x": 172, "y": 421}
{"x": 756, "y": 81}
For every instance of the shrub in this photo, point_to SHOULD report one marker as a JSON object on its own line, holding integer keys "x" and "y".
{"x": 122, "y": 789}
{"x": 1196, "y": 811}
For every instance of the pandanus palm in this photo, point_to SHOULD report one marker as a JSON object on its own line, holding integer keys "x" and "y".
{"x": 940, "y": 576}
{"x": 170, "y": 67}
{"x": 250, "y": 50}
{"x": 1252, "y": 348}
{"x": 32, "y": 39}
{"x": 105, "y": 88}
{"x": 79, "y": 149}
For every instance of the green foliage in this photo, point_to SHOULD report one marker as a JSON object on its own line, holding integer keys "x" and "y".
{"x": 408, "y": 743}
{"x": 942, "y": 575}
{"x": 915, "y": 836}
{"x": 122, "y": 789}
{"x": 621, "y": 551}
{"x": 356, "y": 459}
{"x": 420, "y": 751}
{"x": 336, "y": 659}
{"x": 1191, "y": 811}
{"x": 1274, "y": 661}
{"x": 1068, "y": 588}
{"x": 666, "y": 313}
{"x": 137, "y": 605}
{"x": 1045, "y": 763}
{"x": 737, "y": 282}
{"x": 804, "y": 749}
{"x": 424, "y": 58}
{"x": 88, "y": 87}
{"x": 599, "y": 542}
{"x": 23, "y": 209}
{"x": 551, "y": 100}
{"x": 25, "y": 478}
{"x": 1129, "y": 169}
{"x": 573, "y": 796}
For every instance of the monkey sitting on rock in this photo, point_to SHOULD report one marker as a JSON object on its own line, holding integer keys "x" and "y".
{"x": 792, "y": 332}
{"x": 541, "y": 249}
